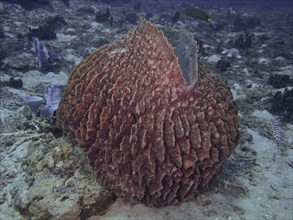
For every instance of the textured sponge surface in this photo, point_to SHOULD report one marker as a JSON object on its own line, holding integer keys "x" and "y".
{"x": 150, "y": 136}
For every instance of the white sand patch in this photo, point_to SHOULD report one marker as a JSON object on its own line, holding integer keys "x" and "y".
{"x": 95, "y": 25}
{"x": 252, "y": 84}
{"x": 283, "y": 89}
{"x": 271, "y": 195}
{"x": 206, "y": 46}
{"x": 237, "y": 91}
{"x": 34, "y": 77}
{"x": 65, "y": 37}
{"x": 73, "y": 59}
{"x": 263, "y": 114}
{"x": 279, "y": 59}
{"x": 245, "y": 71}
{"x": 286, "y": 70}
{"x": 287, "y": 134}
{"x": 264, "y": 60}
{"x": 214, "y": 58}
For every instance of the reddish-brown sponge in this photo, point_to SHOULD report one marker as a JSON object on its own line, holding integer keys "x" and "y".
{"x": 150, "y": 136}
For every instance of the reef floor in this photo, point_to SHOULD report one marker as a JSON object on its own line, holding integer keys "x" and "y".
{"x": 43, "y": 176}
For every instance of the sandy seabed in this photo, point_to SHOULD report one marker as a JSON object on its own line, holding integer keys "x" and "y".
{"x": 43, "y": 176}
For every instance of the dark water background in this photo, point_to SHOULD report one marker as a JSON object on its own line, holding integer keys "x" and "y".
{"x": 244, "y": 3}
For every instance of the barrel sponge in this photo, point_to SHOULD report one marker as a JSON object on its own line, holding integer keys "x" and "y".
{"x": 150, "y": 136}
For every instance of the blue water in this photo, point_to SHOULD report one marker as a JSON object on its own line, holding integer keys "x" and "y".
{"x": 246, "y": 3}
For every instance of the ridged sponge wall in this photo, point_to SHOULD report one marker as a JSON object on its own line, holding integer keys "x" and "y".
{"x": 150, "y": 136}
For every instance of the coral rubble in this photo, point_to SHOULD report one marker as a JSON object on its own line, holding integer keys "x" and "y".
{"x": 150, "y": 136}
{"x": 282, "y": 104}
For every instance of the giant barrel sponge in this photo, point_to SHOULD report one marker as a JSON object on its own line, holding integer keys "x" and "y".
{"x": 150, "y": 135}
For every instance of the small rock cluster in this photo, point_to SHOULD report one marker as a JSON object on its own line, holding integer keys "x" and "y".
{"x": 53, "y": 180}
